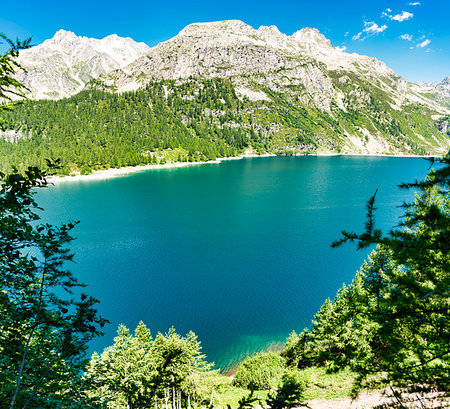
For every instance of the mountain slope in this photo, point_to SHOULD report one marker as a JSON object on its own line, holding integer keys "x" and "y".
{"x": 233, "y": 48}
{"x": 63, "y": 65}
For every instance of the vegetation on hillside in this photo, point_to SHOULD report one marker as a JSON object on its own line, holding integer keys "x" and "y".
{"x": 202, "y": 119}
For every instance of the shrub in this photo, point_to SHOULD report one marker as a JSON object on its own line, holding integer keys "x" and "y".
{"x": 289, "y": 393}
{"x": 261, "y": 371}
{"x": 85, "y": 170}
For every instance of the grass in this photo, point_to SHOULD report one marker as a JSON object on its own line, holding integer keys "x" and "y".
{"x": 321, "y": 385}
{"x": 232, "y": 395}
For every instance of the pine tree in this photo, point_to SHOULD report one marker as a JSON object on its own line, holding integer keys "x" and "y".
{"x": 412, "y": 295}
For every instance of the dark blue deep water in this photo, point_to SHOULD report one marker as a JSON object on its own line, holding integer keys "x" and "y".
{"x": 238, "y": 252}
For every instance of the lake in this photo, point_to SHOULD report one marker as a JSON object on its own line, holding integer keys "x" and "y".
{"x": 239, "y": 252}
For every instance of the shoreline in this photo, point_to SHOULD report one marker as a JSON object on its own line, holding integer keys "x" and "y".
{"x": 128, "y": 170}
{"x": 230, "y": 370}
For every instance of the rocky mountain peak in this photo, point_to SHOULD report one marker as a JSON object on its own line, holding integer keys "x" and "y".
{"x": 64, "y": 64}
{"x": 63, "y": 35}
{"x": 311, "y": 36}
{"x": 272, "y": 35}
{"x": 62, "y": 38}
{"x": 225, "y": 26}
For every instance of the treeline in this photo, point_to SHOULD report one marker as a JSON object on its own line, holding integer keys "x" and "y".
{"x": 200, "y": 119}
{"x": 99, "y": 129}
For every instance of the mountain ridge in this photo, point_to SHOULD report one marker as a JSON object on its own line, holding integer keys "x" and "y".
{"x": 63, "y": 65}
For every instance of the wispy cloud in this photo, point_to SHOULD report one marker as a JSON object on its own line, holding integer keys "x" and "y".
{"x": 370, "y": 28}
{"x": 415, "y": 3}
{"x": 404, "y": 15}
{"x": 423, "y": 43}
{"x": 407, "y": 37}
{"x": 342, "y": 48}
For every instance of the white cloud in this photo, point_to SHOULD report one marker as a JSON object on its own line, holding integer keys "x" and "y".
{"x": 416, "y": 3}
{"x": 342, "y": 48}
{"x": 423, "y": 43}
{"x": 370, "y": 28}
{"x": 407, "y": 37}
{"x": 405, "y": 15}
{"x": 402, "y": 17}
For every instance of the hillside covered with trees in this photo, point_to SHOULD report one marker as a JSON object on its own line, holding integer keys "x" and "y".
{"x": 200, "y": 120}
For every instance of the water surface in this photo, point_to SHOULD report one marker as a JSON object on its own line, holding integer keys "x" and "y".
{"x": 238, "y": 252}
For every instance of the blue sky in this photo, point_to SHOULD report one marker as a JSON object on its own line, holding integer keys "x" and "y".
{"x": 411, "y": 37}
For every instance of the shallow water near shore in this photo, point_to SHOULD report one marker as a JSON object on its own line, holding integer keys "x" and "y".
{"x": 239, "y": 252}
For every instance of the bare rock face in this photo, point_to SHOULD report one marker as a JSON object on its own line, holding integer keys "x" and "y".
{"x": 62, "y": 66}
{"x": 444, "y": 86}
{"x": 236, "y": 50}
{"x": 443, "y": 127}
{"x": 227, "y": 48}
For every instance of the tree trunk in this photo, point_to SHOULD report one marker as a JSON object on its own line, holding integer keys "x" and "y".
{"x": 174, "y": 399}
{"x": 212, "y": 397}
{"x": 166, "y": 397}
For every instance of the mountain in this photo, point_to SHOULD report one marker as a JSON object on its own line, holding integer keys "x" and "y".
{"x": 303, "y": 70}
{"x": 230, "y": 48}
{"x": 62, "y": 66}
{"x": 443, "y": 86}
{"x": 267, "y": 56}
{"x": 216, "y": 89}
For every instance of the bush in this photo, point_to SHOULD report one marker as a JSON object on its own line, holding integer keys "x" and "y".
{"x": 261, "y": 371}
{"x": 289, "y": 393}
{"x": 85, "y": 170}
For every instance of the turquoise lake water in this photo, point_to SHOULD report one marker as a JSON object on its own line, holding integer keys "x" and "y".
{"x": 238, "y": 252}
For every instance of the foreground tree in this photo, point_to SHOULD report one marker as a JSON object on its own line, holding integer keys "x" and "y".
{"x": 139, "y": 371}
{"x": 44, "y": 327}
{"x": 413, "y": 299}
{"x": 10, "y": 88}
{"x": 391, "y": 324}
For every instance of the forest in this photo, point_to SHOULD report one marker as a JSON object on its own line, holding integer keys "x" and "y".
{"x": 389, "y": 328}
{"x": 200, "y": 119}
